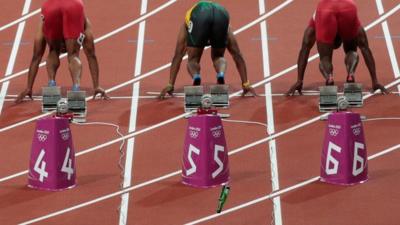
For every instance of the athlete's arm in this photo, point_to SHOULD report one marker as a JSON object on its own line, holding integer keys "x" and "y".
{"x": 39, "y": 46}
{"x": 234, "y": 50}
{"x": 180, "y": 51}
{"x": 307, "y": 44}
{"x": 89, "y": 49}
{"x": 362, "y": 42}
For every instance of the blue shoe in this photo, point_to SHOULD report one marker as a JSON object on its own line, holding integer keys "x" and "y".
{"x": 75, "y": 87}
{"x": 196, "y": 80}
{"x": 220, "y": 78}
{"x": 52, "y": 83}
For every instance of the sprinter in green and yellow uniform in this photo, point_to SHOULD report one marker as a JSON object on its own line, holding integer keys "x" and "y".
{"x": 206, "y": 23}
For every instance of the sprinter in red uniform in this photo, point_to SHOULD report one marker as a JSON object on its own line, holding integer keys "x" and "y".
{"x": 64, "y": 20}
{"x": 351, "y": 60}
{"x": 334, "y": 17}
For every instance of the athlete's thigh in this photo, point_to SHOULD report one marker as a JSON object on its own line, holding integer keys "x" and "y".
{"x": 348, "y": 24}
{"x": 220, "y": 26}
{"x": 326, "y": 26}
{"x": 52, "y": 21}
{"x": 73, "y": 19}
{"x": 198, "y": 28}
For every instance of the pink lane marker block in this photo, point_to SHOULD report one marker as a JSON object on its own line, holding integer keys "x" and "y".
{"x": 205, "y": 155}
{"x": 52, "y": 161}
{"x": 344, "y": 154}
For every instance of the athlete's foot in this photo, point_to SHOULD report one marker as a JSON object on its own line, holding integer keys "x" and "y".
{"x": 350, "y": 78}
{"x": 220, "y": 78}
{"x": 196, "y": 81}
{"x": 329, "y": 81}
{"x": 52, "y": 83}
{"x": 75, "y": 87}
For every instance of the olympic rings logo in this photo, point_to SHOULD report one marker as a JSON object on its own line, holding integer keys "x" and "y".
{"x": 356, "y": 131}
{"x": 42, "y": 137}
{"x": 216, "y": 133}
{"x": 333, "y": 132}
{"x": 65, "y": 136}
{"x": 193, "y": 134}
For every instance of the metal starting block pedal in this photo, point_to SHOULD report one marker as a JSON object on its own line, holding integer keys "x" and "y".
{"x": 193, "y": 96}
{"x": 219, "y": 95}
{"x": 51, "y": 95}
{"x": 77, "y": 105}
{"x": 328, "y": 98}
{"x": 353, "y": 94}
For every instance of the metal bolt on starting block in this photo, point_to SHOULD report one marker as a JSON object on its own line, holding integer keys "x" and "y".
{"x": 51, "y": 95}
{"x": 327, "y": 98}
{"x": 219, "y": 95}
{"x": 353, "y": 94}
{"x": 193, "y": 96}
{"x": 77, "y": 105}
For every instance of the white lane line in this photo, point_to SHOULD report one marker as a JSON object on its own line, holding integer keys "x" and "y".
{"x": 167, "y": 176}
{"x": 25, "y": 17}
{"x": 130, "y": 147}
{"x": 13, "y": 55}
{"x": 277, "y": 214}
{"x": 108, "y": 35}
{"x": 389, "y": 42}
{"x": 281, "y": 192}
{"x": 186, "y": 114}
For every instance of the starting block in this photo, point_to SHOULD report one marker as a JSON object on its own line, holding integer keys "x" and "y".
{"x": 52, "y": 159}
{"x": 193, "y": 95}
{"x": 344, "y": 154}
{"x": 219, "y": 95}
{"x": 205, "y": 155}
{"x": 353, "y": 94}
{"x": 328, "y": 98}
{"x": 77, "y": 105}
{"x": 51, "y": 95}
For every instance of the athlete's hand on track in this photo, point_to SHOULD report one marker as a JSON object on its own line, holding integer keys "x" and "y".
{"x": 298, "y": 86}
{"x": 21, "y": 96}
{"x": 169, "y": 89}
{"x": 378, "y": 86}
{"x": 100, "y": 91}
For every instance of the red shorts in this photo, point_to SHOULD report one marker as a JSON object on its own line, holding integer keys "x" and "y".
{"x": 333, "y": 16}
{"x": 63, "y": 19}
